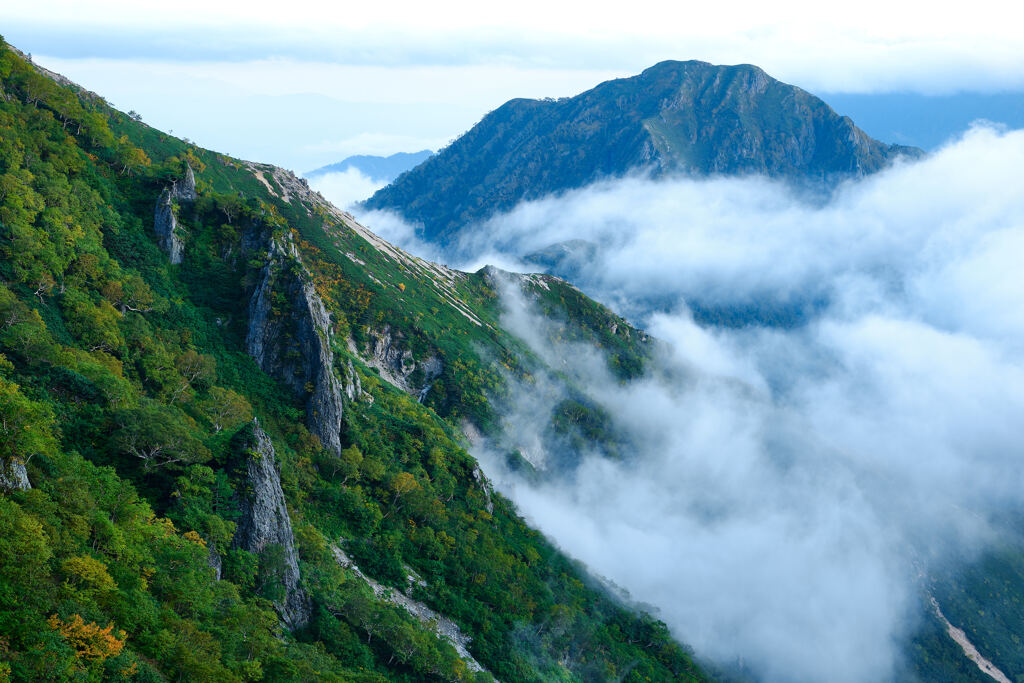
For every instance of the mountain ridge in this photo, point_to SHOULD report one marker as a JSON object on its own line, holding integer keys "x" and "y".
{"x": 690, "y": 118}
{"x": 374, "y": 166}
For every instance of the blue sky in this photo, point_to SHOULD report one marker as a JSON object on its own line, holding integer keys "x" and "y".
{"x": 305, "y": 83}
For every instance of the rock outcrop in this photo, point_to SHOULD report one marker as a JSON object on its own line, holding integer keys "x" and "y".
{"x": 264, "y": 522}
{"x": 442, "y": 625}
{"x": 353, "y": 385}
{"x": 184, "y": 190}
{"x": 215, "y": 562}
{"x": 386, "y": 352}
{"x": 13, "y": 476}
{"x": 292, "y": 341}
{"x": 485, "y": 486}
{"x": 165, "y": 217}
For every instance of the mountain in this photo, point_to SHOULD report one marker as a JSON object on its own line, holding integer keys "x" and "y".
{"x": 231, "y": 444}
{"x": 675, "y": 117}
{"x": 234, "y": 427}
{"x": 375, "y": 167}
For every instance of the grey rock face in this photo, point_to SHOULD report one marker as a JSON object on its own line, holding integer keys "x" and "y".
{"x": 13, "y": 476}
{"x": 165, "y": 220}
{"x": 213, "y": 559}
{"x": 294, "y": 345}
{"x": 485, "y": 486}
{"x": 264, "y": 521}
{"x": 184, "y": 190}
{"x": 165, "y": 225}
{"x": 353, "y": 386}
{"x": 386, "y": 352}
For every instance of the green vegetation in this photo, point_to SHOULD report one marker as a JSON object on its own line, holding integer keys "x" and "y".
{"x": 125, "y": 390}
{"x": 986, "y": 600}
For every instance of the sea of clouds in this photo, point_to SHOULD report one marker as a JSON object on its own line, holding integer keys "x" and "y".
{"x": 787, "y": 487}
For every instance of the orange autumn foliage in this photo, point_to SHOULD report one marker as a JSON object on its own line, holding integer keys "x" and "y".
{"x": 89, "y": 641}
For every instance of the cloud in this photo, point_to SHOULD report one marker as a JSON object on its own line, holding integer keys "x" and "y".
{"x": 936, "y": 51}
{"x": 345, "y": 188}
{"x": 733, "y": 240}
{"x": 785, "y": 486}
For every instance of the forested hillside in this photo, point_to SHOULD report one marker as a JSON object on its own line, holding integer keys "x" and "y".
{"x": 230, "y": 431}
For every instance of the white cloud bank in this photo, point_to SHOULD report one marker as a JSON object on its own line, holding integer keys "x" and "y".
{"x": 345, "y": 188}
{"x": 786, "y": 488}
{"x": 881, "y": 46}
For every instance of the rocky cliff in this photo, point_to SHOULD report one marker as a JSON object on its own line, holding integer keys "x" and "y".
{"x": 289, "y": 336}
{"x": 13, "y": 475}
{"x": 387, "y": 351}
{"x": 691, "y": 118}
{"x": 165, "y": 216}
{"x": 264, "y": 522}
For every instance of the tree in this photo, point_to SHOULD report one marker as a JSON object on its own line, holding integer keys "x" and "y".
{"x": 159, "y": 436}
{"x": 231, "y": 205}
{"x": 131, "y": 294}
{"x": 24, "y": 557}
{"x": 27, "y": 428}
{"x": 23, "y": 330}
{"x": 88, "y": 575}
{"x": 226, "y": 409}
{"x": 89, "y": 641}
{"x": 403, "y": 483}
{"x": 95, "y": 324}
{"x": 195, "y": 368}
{"x": 350, "y": 458}
{"x": 130, "y": 157}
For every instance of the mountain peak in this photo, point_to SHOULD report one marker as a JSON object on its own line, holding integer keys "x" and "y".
{"x": 676, "y": 117}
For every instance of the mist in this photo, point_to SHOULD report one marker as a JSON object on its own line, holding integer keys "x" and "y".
{"x": 786, "y": 487}
{"x": 345, "y": 188}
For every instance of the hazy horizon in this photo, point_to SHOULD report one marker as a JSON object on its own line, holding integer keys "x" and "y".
{"x": 310, "y": 85}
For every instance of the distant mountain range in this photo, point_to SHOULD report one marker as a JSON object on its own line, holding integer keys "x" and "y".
{"x": 675, "y": 117}
{"x": 376, "y": 167}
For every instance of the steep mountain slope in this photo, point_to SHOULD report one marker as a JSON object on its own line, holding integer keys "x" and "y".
{"x": 230, "y": 446}
{"x": 686, "y": 117}
{"x": 377, "y": 167}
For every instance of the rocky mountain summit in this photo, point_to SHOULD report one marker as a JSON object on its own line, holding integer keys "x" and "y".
{"x": 690, "y": 118}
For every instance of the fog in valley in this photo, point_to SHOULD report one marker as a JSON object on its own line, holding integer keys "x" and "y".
{"x": 790, "y": 476}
